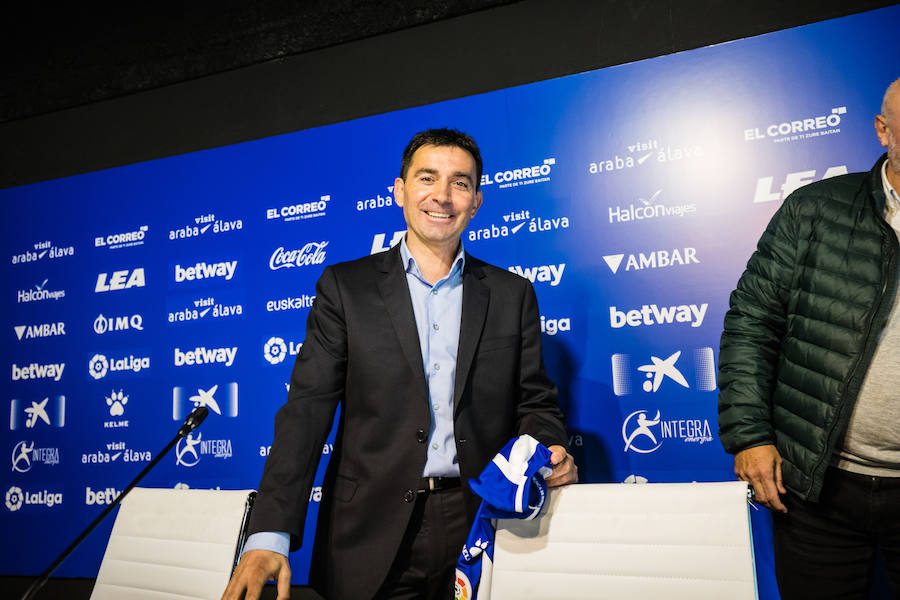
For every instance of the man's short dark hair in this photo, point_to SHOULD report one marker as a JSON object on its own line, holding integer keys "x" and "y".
{"x": 442, "y": 137}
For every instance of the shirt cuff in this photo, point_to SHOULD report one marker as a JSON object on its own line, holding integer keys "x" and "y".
{"x": 274, "y": 541}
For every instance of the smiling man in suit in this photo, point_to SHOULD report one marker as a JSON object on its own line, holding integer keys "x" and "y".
{"x": 435, "y": 359}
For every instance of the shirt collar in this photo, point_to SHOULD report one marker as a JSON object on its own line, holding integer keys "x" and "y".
{"x": 412, "y": 267}
{"x": 891, "y": 199}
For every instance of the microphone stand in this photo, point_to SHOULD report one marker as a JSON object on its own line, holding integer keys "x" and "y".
{"x": 191, "y": 423}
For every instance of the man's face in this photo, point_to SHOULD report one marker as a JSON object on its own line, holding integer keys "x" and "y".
{"x": 888, "y": 130}
{"x": 438, "y": 196}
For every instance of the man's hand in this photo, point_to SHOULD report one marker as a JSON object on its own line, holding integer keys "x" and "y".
{"x": 254, "y": 570}
{"x": 761, "y": 467}
{"x": 565, "y": 470}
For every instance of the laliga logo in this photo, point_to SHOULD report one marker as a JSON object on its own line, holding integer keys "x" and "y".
{"x": 14, "y": 498}
{"x": 633, "y": 433}
{"x": 275, "y": 350}
{"x": 311, "y": 254}
{"x": 98, "y": 366}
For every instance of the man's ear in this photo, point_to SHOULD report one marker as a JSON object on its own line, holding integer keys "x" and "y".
{"x": 398, "y": 191}
{"x": 881, "y": 129}
{"x": 478, "y": 200}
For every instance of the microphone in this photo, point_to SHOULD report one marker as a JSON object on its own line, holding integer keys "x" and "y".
{"x": 190, "y": 424}
{"x": 193, "y": 420}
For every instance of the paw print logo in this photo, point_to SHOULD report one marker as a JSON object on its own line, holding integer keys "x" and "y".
{"x": 98, "y": 366}
{"x": 14, "y": 498}
{"x": 275, "y": 350}
{"x": 479, "y": 547}
{"x": 116, "y": 403}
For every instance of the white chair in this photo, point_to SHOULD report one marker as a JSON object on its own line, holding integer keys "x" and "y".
{"x": 168, "y": 544}
{"x": 672, "y": 541}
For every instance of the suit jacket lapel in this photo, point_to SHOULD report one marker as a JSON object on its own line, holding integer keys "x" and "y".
{"x": 474, "y": 311}
{"x": 395, "y": 292}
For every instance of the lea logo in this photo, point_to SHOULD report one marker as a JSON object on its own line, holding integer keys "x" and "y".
{"x": 120, "y": 280}
{"x": 765, "y": 193}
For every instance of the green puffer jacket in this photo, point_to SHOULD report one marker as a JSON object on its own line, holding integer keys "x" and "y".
{"x": 804, "y": 322}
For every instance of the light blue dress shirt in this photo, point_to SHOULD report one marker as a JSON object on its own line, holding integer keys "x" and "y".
{"x": 438, "y": 313}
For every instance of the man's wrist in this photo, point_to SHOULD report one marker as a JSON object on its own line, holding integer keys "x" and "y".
{"x": 273, "y": 541}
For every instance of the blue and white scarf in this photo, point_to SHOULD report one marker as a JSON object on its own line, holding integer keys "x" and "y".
{"x": 512, "y": 486}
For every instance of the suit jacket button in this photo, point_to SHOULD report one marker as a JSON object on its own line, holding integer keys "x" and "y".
{"x": 421, "y": 436}
{"x": 409, "y": 496}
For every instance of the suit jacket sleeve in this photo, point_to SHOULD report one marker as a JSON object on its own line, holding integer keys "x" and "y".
{"x": 537, "y": 413}
{"x": 302, "y": 424}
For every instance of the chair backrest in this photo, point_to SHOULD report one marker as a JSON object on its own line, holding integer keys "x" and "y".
{"x": 673, "y": 541}
{"x": 168, "y": 544}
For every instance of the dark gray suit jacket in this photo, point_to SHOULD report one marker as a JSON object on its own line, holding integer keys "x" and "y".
{"x": 362, "y": 351}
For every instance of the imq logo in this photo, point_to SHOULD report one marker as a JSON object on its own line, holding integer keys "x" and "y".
{"x": 120, "y": 280}
{"x": 658, "y": 371}
{"x": 220, "y": 401}
{"x": 655, "y": 259}
{"x": 51, "y": 411}
{"x": 103, "y": 324}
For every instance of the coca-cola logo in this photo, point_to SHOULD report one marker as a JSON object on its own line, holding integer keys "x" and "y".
{"x": 310, "y": 254}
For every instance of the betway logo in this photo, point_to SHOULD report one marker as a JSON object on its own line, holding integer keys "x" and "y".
{"x": 805, "y": 125}
{"x": 657, "y": 259}
{"x": 100, "y": 497}
{"x": 205, "y": 356}
{"x": 29, "y": 332}
{"x": 310, "y": 254}
{"x": 120, "y": 280}
{"x": 203, "y": 270}
{"x": 793, "y": 181}
{"x": 652, "y": 314}
{"x": 543, "y": 273}
{"x": 52, "y": 371}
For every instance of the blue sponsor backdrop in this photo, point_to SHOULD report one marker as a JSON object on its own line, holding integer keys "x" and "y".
{"x": 632, "y": 196}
